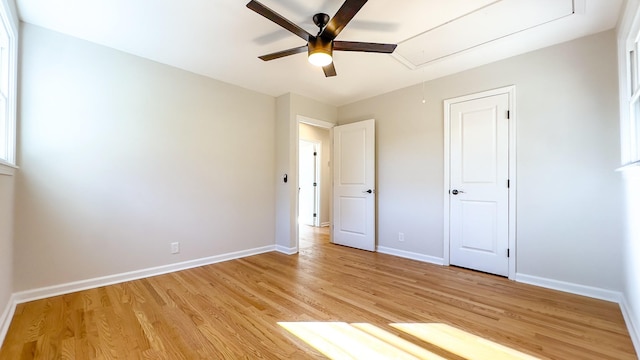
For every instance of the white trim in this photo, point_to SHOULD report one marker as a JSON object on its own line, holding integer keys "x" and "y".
{"x": 577, "y": 289}
{"x": 314, "y": 122}
{"x": 446, "y": 257}
{"x": 6, "y": 317}
{"x": 511, "y": 92}
{"x": 629, "y": 166}
{"x": 286, "y": 250}
{"x": 9, "y": 17}
{"x": 7, "y": 168}
{"x": 325, "y": 224}
{"x": 632, "y": 326}
{"x": 627, "y": 31}
{"x": 410, "y": 255}
{"x": 55, "y": 290}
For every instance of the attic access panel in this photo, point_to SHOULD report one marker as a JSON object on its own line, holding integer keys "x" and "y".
{"x": 494, "y": 21}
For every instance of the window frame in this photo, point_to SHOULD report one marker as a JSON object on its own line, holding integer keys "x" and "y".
{"x": 8, "y": 15}
{"x": 629, "y": 82}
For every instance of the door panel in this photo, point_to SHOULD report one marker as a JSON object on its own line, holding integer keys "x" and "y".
{"x": 479, "y": 194}
{"x": 353, "y": 210}
{"x": 353, "y": 157}
{"x": 479, "y": 234}
{"x": 354, "y": 185}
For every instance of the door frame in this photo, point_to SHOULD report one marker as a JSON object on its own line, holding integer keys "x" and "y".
{"x": 511, "y": 92}
{"x": 296, "y": 143}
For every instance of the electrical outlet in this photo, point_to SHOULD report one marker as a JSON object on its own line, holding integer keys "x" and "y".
{"x": 400, "y": 236}
{"x": 175, "y": 247}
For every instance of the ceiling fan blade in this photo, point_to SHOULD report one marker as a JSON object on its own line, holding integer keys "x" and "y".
{"x": 329, "y": 70}
{"x": 346, "y": 12}
{"x": 283, "y": 53}
{"x": 363, "y": 46}
{"x": 278, "y": 19}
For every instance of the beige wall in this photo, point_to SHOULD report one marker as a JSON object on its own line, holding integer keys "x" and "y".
{"x": 6, "y": 242}
{"x": 323, "y": 136}
{"x": 120, "y": 156}
{"x": 569, "y": 199}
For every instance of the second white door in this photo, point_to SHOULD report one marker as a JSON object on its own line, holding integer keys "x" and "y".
{"x": 478, "y": 189}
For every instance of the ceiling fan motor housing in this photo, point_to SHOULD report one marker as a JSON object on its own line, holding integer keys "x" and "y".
{"x": 320, "y": 48}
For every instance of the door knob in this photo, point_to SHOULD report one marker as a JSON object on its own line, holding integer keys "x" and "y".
{"x": 368, "y": 191}
{"x": 456, "y": 192}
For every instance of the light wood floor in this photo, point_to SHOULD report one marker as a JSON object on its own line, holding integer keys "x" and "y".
{"x": 341, "y": 300}
{"x": 309, "y": 236}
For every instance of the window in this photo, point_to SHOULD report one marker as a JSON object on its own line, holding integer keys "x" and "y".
{"x": 8, "y": 57}
{"x": 629, "y": 48}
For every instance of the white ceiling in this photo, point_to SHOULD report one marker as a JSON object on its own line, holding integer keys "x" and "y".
{"x": 222, "y": 39}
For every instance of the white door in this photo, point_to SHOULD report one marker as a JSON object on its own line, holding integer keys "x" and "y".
{"x": 478, "y": 188}
{"x": 354, "y": 185}
{"x": 308, "y": 183}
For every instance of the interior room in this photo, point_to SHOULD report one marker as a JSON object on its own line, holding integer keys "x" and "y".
{"x": 148, "y": 146}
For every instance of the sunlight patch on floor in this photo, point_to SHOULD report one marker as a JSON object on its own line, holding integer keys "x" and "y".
{"x": 460, "y": 342}
{"x": 340, "y": 340}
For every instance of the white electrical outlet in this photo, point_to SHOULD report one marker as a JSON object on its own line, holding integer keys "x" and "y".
{"x": 175, "y": 247}
{"x": 400, "y": 236}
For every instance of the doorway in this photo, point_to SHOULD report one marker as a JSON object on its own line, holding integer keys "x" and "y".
{"x": 314, "y": 182}
{"x": 309, "y": 182}
{"x": 480, "y": 182}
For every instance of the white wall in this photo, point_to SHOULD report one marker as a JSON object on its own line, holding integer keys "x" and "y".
{"x": 318, "y": 134}
{"x": 120, "y": 156}
{"x": 569, "y": 198}
{"x": 289, "y": 107}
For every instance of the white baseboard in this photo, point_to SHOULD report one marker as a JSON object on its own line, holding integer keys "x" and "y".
{"x": 325, "y": 224}
{"x": 411, "y": 255}
{"x": 55, "y": 290}
{"x": 632, "y": 326}
{"x": 584, "y": 290}
{"x": 286, "y": 250}
{"x": 6, "y": 317}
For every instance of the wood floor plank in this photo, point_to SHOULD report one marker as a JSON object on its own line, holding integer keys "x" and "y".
{"x": 349, "y": 301}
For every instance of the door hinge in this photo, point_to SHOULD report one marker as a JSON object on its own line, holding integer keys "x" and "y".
{"x": 508, "y": 251}
{"x": 508, "y": 114}
{"x": 315, "y": 184}
{"x": 315, "y": 153}
{"x": 315, "y": 215}
{"x": 508, "y": 183}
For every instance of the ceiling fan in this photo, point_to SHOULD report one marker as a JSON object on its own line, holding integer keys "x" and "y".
{"x": 321, "y": 46}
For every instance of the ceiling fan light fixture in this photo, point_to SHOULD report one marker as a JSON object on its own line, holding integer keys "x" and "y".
{"x": 320, "y": 52}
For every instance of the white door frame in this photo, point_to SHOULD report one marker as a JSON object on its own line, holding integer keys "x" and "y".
{"x": 296, "y": 142}
{"x": 511, "y": 91}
